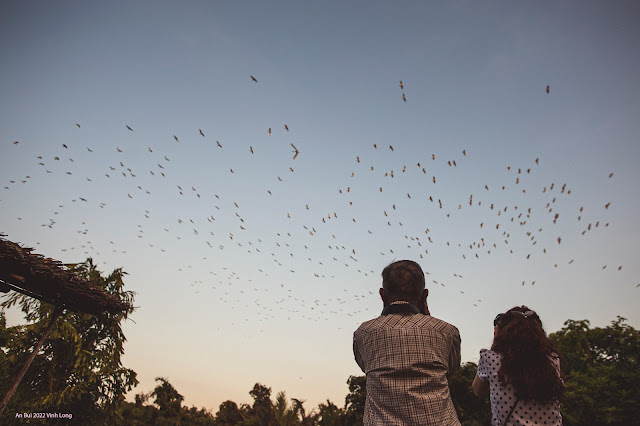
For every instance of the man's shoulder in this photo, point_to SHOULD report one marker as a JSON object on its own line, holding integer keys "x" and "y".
{"x": 372, "y": 323}
{"x": 408, "y": 321}
{"x": 443, "y": 326}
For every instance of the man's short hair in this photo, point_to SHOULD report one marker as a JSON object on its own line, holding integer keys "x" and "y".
{"x": 403, "y": 281}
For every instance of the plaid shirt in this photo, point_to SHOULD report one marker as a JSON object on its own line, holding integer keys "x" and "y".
{"x": 407, "y": 358}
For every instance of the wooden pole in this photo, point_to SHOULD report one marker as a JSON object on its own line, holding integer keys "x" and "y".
{"x": 26, "y": 365}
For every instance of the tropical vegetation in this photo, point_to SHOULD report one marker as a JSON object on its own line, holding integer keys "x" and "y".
{"x": 79, "y": 371}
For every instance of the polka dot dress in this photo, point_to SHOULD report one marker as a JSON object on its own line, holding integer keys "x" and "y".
{"x": 503, "y": 397}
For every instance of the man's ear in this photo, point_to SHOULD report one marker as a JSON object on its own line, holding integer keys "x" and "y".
{"x": 423, "y": 301}
{"x": 382, "y": 296}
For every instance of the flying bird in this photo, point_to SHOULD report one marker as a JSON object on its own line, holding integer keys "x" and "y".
{"x": 401, "y": 85}
{"x": 295, "y": 150}
{"x": 404, "y": 98}
{"x": 128, "y": 127}
{"x": 253, "y": 78}
{"x": 201, "y": 133}
{"x": 548, "y": 89}
{"x": 286, "y": 128}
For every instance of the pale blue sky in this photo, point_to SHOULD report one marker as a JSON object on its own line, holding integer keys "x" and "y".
{"x": 216, "y": 315}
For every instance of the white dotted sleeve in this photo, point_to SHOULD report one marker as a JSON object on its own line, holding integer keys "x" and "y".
{"x": 483, "y": 372}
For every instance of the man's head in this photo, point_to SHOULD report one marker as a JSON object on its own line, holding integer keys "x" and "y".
{"x": 403, "y": 281}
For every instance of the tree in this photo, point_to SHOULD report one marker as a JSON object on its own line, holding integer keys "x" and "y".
{"x": 330, "y": 415}
{"x": 471, "y": 409}
{"x": 284, "y": 415}
{"x": 78, "y": 369}
{"x": 229, "y": 414}
{"x": 167, "y": 398}
{"x": 355, "y": 400}
{"x": 262, "y": 410}
{"x": 602, "y": 369}
{"x": 169, "y": 411}
{"x": 306, "y": 419}
{"x": 138, "y": 413}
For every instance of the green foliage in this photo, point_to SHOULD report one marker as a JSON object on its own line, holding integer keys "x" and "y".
{"x": 78, "y": 370}
{"x": 167, "y": 398}
{"x": 283, "y": 413}
{"x": 602, "y": 369}
{"x": 330, "y": 415}
{"x": 262, "y": 410}
{"x": 299, "y": 410}
{"x": 229, "y": 414}
{"x": 169, "y": 410}
{"x": 355, "y": 400}
{"x": 471, "y": 409}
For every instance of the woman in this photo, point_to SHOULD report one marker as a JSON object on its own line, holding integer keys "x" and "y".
{"x": 521, "y": 371}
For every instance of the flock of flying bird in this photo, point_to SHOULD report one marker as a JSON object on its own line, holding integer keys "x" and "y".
{"x": 307, "y": 245}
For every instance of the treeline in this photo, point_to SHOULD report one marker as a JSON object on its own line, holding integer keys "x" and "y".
{"x": 78, "y": 371}
{"x": 602, "y": 378}
{"x": 265, "y": 409}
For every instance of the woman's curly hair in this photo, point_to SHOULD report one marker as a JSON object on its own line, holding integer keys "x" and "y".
{"x": 527, "y": 356}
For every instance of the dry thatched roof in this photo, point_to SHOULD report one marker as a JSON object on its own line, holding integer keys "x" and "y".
{"x": 48, "y": 280}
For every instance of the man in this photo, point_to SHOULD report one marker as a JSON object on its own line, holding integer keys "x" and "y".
{"x": 407, "y": 354}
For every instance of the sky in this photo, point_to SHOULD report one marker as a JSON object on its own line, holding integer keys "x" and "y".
{"x": 254, "y": 217}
